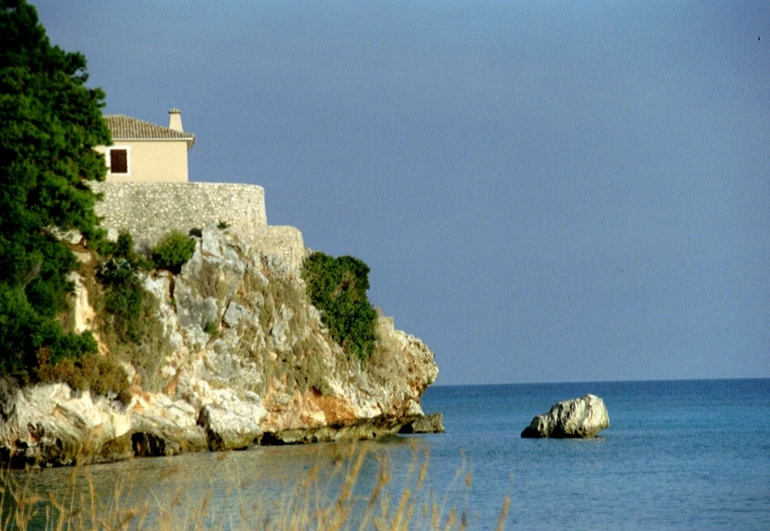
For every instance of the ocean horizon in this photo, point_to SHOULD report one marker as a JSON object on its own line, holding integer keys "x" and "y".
{"x": 588, "y": 382}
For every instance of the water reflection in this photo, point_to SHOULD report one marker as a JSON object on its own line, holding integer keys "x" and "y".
{"x": 254, "y": 488}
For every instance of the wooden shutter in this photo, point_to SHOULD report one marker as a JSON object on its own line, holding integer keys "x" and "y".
{"x": 118, "y": 161}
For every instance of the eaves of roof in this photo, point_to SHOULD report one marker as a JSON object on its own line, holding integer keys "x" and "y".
{"x": 124, "y": 127}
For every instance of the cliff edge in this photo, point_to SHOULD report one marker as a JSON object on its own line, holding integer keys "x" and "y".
{"x": 238, "y": 357}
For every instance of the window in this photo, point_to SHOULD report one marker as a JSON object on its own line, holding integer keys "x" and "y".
{"x": 118, "y": 160}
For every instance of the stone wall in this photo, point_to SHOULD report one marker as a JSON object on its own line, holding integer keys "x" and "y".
{"x": 283, "y": 241}
{"x": 150, "y": 210}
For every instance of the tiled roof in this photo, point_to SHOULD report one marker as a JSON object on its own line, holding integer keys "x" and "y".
{"x": 126, "y": 128}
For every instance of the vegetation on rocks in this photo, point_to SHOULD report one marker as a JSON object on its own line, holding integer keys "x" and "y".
{"x": 147, "y": 351}
{"x": 49, "y": 123}
{"x": 173, "y": 251}
{"x": 269, "y": 365}
{"x": 337, "y": 287}
{"x": 124, "y": 297}
{"x": 93, "y": 372}
{"x": 127, "y": 310}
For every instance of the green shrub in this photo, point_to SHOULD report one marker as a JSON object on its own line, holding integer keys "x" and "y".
{"x": 73, "y": 346}
{"x": 123, "y": 298}
{"x": 173, "y": 251}
{"x": 46, "y": 284}
{"x": 93, "y": 372}
{"x": 337, "y": 287}
{"x": 124, "y": 248}
{"x": 223, "y": 225}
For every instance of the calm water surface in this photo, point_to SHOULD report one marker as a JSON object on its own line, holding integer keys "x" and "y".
{"x": 683, "y": 454}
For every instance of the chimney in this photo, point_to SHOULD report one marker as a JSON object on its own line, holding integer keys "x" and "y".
{"x": 175, "y": 120}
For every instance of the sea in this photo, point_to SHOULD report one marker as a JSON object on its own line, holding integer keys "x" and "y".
{"x": 677, "y": 455}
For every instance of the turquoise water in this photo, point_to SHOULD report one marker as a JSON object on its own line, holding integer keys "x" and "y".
{"x": 681, "y": 455}
{"x": 678, "y": 454}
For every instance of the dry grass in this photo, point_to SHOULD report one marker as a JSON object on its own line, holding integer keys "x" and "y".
{"x": 356, "y": 489}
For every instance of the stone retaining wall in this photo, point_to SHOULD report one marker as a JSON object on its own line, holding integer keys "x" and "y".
{"x": 283, "y": 241}
{"x": 150, "y": 210}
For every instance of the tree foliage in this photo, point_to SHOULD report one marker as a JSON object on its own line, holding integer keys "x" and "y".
{"x": 49, "y": 123}
{"x": 337, "y": 287}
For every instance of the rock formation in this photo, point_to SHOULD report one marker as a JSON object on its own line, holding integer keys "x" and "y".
{"x": 433, "y": 423}
{"x": 576, "y": 418}
{"x": 239, "y": 357}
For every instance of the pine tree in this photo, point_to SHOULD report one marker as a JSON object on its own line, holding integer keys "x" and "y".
{"x": 49, "y": 123}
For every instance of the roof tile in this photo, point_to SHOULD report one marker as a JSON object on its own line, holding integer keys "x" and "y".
{"x": 124, "y": 128}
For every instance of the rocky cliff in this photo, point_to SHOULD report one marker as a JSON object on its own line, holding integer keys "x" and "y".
{"x": 239, "y": 357}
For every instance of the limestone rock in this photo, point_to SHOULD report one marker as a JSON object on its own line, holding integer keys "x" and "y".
{"x": 241, "y": 357}
{"x": 362, "y": 429}
{"x": 231, "y": 428}
{"x": 235, "y": 313}
{"x": 52, "y": 424}
{"x": 577, "y": 418}
{"x": 433, "y": 423}
{"x": 150, "y": 444}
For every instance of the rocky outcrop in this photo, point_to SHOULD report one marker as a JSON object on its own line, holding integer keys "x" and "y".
{"x": 237, "y": 356}
{"x": 371, "y": 428}
{"x": 577, "y": 418}
{"x": 433, "y": 423}
{"x": 51, "y": 421}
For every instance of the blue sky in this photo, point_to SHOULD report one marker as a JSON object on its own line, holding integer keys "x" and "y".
{"x": 544, "y": 192}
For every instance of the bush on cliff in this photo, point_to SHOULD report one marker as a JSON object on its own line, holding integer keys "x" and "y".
{"x": 129, "y": 324}
{"x": 49, "y": 123}
{"x": 124, "y": 296}
{"x": 173, "y": 251}
{"x": 337, "y": 287}
{"x": 100, "y": 375}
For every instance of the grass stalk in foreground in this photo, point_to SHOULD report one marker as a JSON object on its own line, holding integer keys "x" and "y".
{"x": 357, "y": 489}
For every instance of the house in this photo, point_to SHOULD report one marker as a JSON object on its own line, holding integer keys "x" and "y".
{"x": 145, "y": 152}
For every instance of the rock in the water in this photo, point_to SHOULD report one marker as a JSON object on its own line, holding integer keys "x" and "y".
{"x": 577, "y": 418}
{"x": 432, "y": 423}
{"x": 234, "y": 428}
{"x": 362, "y": 429}
{"x": 146, "y": 444}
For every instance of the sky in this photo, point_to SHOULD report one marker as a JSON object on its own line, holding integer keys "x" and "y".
{"x": 544, "y": 191}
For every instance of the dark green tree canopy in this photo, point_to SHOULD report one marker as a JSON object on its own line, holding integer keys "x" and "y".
{"x": 49, "y": 123}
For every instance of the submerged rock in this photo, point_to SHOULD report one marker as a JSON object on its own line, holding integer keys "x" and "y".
{"x": 577, "y": 418}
